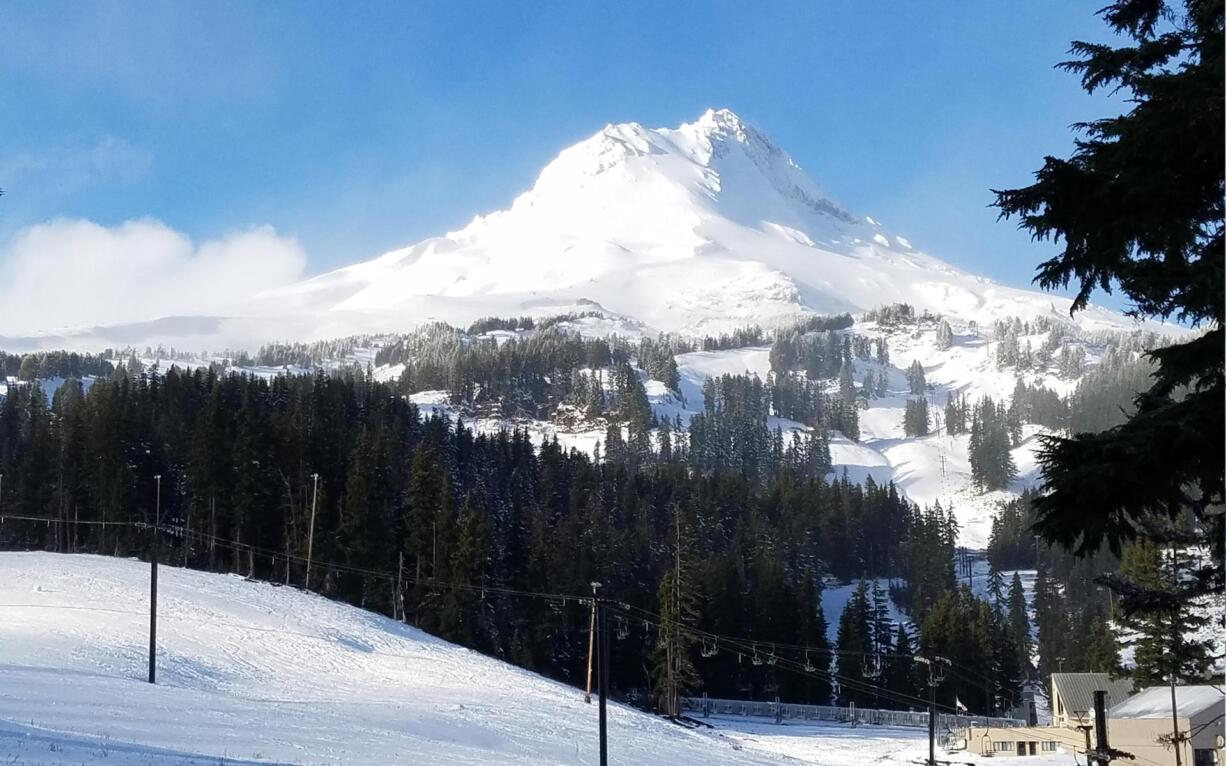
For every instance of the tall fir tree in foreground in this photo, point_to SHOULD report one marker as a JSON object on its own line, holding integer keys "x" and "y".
{"x": 1019, "y": 621}
{"x": 855, "y": 643}
{"x": 1139, "y": 207}
{"x": 1161, "y": 638}
{"x": 675, "y": 674}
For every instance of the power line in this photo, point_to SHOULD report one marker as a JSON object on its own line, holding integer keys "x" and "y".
{"x": 747, "y": 646}
{"x": 744, "y": 645}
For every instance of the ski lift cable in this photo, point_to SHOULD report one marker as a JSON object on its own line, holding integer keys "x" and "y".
{"x": 845, "y": 682}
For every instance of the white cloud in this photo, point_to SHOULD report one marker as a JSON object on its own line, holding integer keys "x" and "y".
{"x": 74, "y": 273}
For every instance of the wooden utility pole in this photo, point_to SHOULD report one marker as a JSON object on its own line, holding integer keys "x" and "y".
{"x": 591, "y": 641}
{"x": 311, "y": 532}
{"x": 153, "y": 583}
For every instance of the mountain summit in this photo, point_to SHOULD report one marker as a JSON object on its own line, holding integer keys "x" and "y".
{"x": 697, "y": 229}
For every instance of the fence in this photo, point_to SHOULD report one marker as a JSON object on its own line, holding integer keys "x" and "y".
{"x": 780, "y": 711}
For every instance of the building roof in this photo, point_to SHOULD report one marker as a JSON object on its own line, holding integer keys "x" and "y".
{"x": 1155, "y": 702}
{"x": 1077, "y": 690}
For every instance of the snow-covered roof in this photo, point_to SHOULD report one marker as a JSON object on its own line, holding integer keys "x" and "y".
{"x": 1155, "y": 702}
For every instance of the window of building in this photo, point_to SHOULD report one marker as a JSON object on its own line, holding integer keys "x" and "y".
{"x": 1204, "y": 756}
{"x": 1004, "y": 747}
{"x": 1049, "y": 747}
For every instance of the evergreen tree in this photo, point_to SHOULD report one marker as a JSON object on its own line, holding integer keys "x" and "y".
{"x": 1019, "y": 621}
{"x": 996, "y": 587}
{"x": 955, "y": 414}
{"x": 854, "y": 643}
{"x": 915, "y": 418}
{"x": 1162, "y": 638}
{"x": 992, "y": 465}
{"x": 882, "y": 626}
{"x": 900, "y": 675}
{"x": 424, "y": 500}
{"x": 944, "y": 336}
{"x": 674, "y": 670}
{"x": 915, "y": 379}
{"x": 1139, "y": 206}
{"x": 847, "y": 387}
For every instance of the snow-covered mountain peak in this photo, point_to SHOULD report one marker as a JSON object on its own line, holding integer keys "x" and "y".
{"x": 696, "y": 229}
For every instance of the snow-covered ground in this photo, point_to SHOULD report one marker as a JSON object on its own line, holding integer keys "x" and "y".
{"x": 838, "y": 745}
{"x": 928, "y": 469}
{"x": 251, "y": 672}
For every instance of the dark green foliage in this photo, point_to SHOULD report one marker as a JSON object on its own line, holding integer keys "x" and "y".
{"x": 928, "y": 557}
{"x": 674, "y": 673}
{"x": 957, "y": 413}
{"x": 915, "y": 421}
{"x": 1106, "y": 396}
{"x": 1162, "y": 639}
{"x": 915, "y": 379}
{"x": 53, "y": 364}
{"x": 820, "y": 355}
{"x": 992, "y": 465}
{"x": 1039, "y": 405}
{"x": 659, "y": 361}
{"x": 1019, "y": 621}
{"x": 967, "y": 629}
{"x": 492, "y": 324}
{"x": 900, "y": 672}
{"x": 1012, "y": 544}
{"x": 855, "y": 643}
{"x": 1139, "y": 207}
{"x": 237, "y": 455}
{"x": 1072, "y": 614}
{"x": 892, "y": 314}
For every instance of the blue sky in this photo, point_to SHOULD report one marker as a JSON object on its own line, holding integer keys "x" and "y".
{"x": 357, "y": 127}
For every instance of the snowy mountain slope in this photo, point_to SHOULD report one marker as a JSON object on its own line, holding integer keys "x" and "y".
{"x": 696, "y": 229}
{"x": 249, "y": 672}
{"x": 255, "y": 672}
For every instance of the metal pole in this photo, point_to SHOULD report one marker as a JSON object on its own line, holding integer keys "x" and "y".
{"x": 1102, "y": 748}
{"x": 311, "y": 532}
{"x": 603, "y": 619}
{"x": 398, "y": 602}
{"x": 932, "y": 719}
{"x": 1176, "y": 742}
{"x": 153, "y": 584}
{"x": 591, "y": 640}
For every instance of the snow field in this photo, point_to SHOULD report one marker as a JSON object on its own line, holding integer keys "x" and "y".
{"x": 251, "y": 672}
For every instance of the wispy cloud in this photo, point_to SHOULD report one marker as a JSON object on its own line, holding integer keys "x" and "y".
{"x": 72, "y": 166}
{"x": 75, "y": 273}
